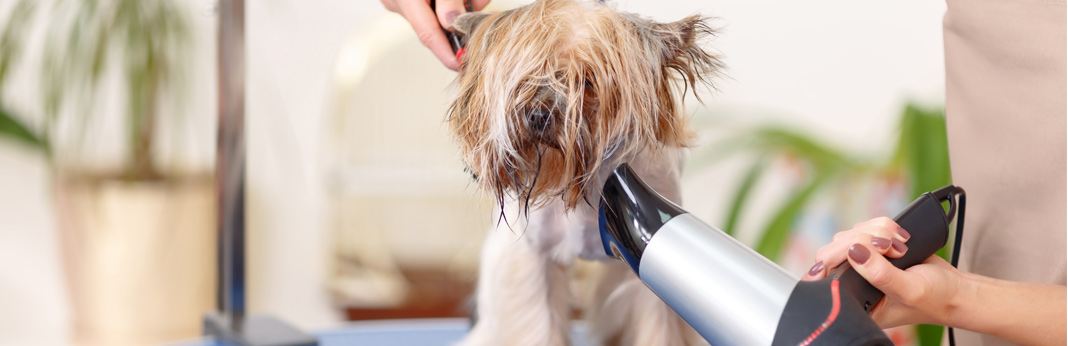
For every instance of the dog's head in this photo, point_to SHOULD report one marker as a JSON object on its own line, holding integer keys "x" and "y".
{"x": 549, "y": 91}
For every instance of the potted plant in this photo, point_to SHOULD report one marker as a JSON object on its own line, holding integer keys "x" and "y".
{"x": 137, "y": 236}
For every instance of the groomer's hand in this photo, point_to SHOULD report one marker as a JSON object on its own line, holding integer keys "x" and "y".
{"x": 924, "y": 293}
{"x": 428, "y": 26}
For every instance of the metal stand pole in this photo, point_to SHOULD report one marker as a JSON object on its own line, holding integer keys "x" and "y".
{"x": 230, "y": 326}
{"x": 230, "y": 158}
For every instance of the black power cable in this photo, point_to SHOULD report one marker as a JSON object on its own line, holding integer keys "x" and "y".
{"x": 957, "y": 242}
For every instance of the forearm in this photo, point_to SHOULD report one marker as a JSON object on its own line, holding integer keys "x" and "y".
{"x": 1024, "y": 313}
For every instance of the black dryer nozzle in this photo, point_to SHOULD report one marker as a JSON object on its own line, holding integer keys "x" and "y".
{"x": 630, "y": 213}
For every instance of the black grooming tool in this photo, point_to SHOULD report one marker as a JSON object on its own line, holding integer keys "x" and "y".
{"x": 454, "y": 40}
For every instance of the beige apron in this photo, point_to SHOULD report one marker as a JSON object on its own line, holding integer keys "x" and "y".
{"x": 1005, "y": 105}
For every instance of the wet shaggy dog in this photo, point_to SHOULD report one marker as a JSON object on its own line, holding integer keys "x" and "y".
{"x": 553, "y": 96}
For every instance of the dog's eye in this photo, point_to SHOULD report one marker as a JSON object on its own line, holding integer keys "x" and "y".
{"x": 539, "y": 118}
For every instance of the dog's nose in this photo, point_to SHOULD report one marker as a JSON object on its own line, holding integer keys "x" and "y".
{"x": 539, "y": 118}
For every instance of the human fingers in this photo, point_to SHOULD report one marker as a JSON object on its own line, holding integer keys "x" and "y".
{"x": 427, "y": 28}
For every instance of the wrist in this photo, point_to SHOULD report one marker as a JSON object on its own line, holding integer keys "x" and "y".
{"x": 976, "y": 306}
{"x": 1017, "y": 312}
{"x": 962, "y": 301}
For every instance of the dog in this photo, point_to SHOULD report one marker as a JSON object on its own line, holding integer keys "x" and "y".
{"x": 551, "y": 97}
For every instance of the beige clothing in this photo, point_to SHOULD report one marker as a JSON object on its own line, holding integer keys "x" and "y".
{"x": 1005, "y": 105}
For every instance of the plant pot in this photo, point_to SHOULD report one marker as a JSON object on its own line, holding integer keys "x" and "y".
{"x": 139, "y": 257}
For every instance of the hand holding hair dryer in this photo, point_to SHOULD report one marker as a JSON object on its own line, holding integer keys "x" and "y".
{"x": 734, "y": 296}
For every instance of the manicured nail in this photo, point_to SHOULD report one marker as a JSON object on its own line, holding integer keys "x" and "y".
{"x": 880, "y": 243}
{"x": 900, "y": 246}
{"x": 451, "y": 16}
{"x": 904, "y": 234}
{"x": 816, "y": 269}
{"x": 859, "y": 253}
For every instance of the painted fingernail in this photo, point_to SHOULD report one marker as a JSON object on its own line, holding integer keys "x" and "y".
{"x": 816, "y": 269}
{"x": 904, "y": 234}
{"x": 451, "y": 16}
{"x": 900, "y": 246}
{"x": 858, "y": 253}
{"x": 880, "y": 243}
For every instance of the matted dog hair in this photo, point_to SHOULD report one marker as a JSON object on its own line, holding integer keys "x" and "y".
{"x": 549, "y": 91}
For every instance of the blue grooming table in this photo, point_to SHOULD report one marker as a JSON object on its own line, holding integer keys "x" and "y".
{"x": 416, "y": 332}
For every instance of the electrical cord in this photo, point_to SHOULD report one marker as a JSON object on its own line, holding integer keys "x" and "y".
{"x": 957, "y": 243}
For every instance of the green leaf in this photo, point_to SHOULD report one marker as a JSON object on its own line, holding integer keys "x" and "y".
{"x": 777, "y": 233}
{"x": 11, "y": 38}
{"x": 923, "y": 152}
{"x": 804, "y": 146}
{"x": 12, "y": 128}
{"x": 929, "y": 335}
{"x": 741, "y": 195}
{"x": 924, "y": 148}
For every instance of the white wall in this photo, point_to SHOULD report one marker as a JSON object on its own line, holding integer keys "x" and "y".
{"x": 840, "y": 68}
{"x": 292, "y": 47}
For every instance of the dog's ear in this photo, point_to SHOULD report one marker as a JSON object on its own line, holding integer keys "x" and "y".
{"x": 681, "y": 51}
{"x": 682, "y": 35}
{"x": 676, "y": 46}
{"x": 466, "y": 23}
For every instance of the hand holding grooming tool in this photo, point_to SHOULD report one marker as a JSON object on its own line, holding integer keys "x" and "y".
{"x": 454, "y": 40}
{"x": 734, "y": 296}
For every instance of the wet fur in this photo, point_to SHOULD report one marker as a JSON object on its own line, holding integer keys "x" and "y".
{"x": 551, "y": 97}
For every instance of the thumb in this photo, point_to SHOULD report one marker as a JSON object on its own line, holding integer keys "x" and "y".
{"x": 478, "y": 5}
{"x": 875, "y": 268}
{"x": 448, "y": 10}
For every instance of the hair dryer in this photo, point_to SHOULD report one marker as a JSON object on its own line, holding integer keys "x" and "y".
{"x": 731, "y": 294}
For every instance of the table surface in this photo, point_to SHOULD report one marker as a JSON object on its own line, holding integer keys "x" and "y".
{"x": 438, "y": 331}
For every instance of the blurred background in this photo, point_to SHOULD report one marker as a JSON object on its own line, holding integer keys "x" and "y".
{"x": 357, "y": 207}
